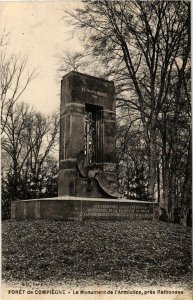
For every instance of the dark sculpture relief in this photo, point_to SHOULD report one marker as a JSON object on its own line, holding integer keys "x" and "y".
{"x": 95, "y": 172}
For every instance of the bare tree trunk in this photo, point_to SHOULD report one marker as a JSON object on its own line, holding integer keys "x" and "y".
{"x": 173, "y": 204}
{"x": 158, "y": 184}
{"x": 186, "y": 205}
{"x": 152, "y": 157}
{"x": 165, "y": 175}
{"x": 165, "y": 166}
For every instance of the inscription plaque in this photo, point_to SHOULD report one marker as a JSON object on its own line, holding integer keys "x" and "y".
{"x": 118, "y": 210}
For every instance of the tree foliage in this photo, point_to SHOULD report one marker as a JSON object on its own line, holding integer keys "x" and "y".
{"x": 28, "y": 138}
{"x": 14, "y": 78}
{"x": 145, "y": 48}
{"x": 28, "y": 141}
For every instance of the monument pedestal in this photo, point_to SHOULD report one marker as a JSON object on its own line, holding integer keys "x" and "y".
{"x": 68, "y": 208}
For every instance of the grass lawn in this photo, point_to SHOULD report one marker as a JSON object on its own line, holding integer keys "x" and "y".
{"x": 134, "y": 252}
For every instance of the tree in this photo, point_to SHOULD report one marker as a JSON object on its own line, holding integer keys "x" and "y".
{"x": 28, "y": 140}
{"x": 14, "y": 78}
{"x": 145, "y": 48}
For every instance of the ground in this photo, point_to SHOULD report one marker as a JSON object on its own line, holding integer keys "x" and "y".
{"x": 134, "y": 252}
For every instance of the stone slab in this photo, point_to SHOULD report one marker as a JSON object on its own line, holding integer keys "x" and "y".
{"x": 81, "y": 209}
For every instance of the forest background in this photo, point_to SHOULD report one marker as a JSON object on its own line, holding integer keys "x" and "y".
{"x": 144, "y": 47}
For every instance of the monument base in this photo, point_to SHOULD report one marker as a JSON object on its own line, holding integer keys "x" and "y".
{"x": 70, "y": 208}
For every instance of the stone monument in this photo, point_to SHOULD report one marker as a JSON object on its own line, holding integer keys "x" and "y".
{"x": 87, "y": 137}
{"x": 87, "y": 186}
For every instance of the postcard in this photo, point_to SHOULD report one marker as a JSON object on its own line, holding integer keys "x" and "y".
{"x": 96, "y": 150}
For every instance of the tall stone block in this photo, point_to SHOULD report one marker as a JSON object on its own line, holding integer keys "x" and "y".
{"x": 87, "y": 125}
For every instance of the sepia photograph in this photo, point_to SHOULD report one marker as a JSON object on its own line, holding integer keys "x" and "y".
{"x": 96, "y": 150}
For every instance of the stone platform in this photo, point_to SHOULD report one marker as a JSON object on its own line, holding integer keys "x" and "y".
{"x": 68, "y": 208}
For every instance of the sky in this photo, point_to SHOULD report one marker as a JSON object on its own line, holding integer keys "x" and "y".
{"x": 38, "y": 30}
